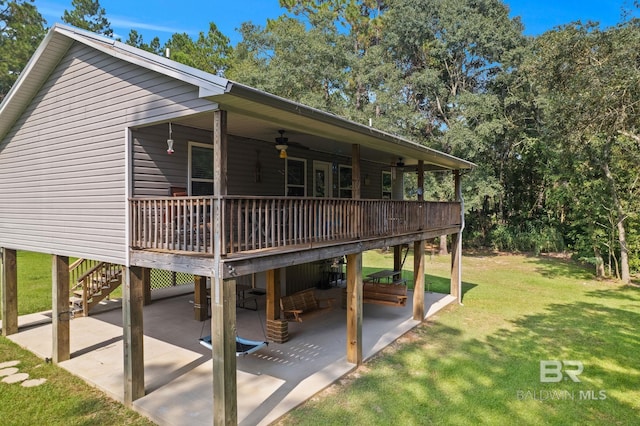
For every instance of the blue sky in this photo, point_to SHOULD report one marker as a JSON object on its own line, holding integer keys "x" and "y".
{"x": 162, "y": 18}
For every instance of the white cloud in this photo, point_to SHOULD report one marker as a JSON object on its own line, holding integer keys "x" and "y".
{"x": 53, "y": 12}
{"x": 127, "y": 23}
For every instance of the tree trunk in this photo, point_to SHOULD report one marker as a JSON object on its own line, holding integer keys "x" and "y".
{"x": 599, "y": 263}
{"x": 622, "y": 235}
{"x": 443, "y": 246}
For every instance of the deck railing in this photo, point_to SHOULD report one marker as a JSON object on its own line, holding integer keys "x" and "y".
{"x": 257, "y": 223}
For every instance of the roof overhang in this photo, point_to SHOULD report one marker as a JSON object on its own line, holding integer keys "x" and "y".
{"x": 294, "y": 116}
{"x": 322, "y": 131}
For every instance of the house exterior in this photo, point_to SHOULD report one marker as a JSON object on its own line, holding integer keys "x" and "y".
{"x": 86, "y": 171}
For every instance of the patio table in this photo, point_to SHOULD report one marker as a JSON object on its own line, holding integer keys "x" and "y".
{"x": 384, "y": 274}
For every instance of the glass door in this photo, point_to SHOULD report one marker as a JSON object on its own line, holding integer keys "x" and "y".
{"x": 321, "y": 179}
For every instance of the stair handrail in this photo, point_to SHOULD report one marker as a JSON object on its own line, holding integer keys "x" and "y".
{"x": 92, "y": 270}
{"x": 78, "y": 270}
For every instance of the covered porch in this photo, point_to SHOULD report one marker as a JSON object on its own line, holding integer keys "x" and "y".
{"x": 178, "y": 370}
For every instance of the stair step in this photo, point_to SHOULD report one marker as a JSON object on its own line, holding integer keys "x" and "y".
{"x": 100, "y": 283}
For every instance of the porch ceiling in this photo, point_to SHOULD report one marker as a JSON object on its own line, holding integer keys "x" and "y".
{"x": 319, "y": 131}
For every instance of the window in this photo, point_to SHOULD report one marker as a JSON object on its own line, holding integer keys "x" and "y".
{"x": 345, "y": 182}
{"x": 200, "y": 169}
{"x": 296, "y": 171}
{"x": 386, "y": 185}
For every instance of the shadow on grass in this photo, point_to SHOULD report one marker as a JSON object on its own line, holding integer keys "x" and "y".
{"x": 555, "y": 268}
{"x": 444, "y": 378}
{"x": 629, "y": 293}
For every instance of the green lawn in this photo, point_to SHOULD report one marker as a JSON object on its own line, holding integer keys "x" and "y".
{"x": 477, "y": 363}
{"x": 480, "y": 363}
{"x": 62, "y": 400}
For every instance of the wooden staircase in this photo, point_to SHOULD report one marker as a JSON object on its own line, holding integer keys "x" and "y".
{"x": 91, "y": 282}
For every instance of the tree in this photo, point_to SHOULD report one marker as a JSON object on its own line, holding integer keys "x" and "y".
{"x": 591, "y": 80}
{"x": 21, "y": 30}
{"x": 210, "y": 52}
{"x": 136, "y": 40}
{"x": 88, "y": 15}
{"x": 287, "y": 59}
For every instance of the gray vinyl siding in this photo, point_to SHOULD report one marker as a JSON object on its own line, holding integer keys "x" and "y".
{"x": 155, "y": 171}
{"x": 62, "y": 165}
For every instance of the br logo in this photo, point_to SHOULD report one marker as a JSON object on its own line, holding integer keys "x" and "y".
{"x": 552, "y": 371}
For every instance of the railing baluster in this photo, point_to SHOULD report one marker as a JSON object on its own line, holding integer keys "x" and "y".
{"x": 251, "y": 223}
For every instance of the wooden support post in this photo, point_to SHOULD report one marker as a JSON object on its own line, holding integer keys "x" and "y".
{"x": 220, "y": 152}
{"x": 223, "y": 352}
{"x": 418, "y": 285}
{"x": 277, "y": 329}
{"x": 9, "y": 291}
{"x": 146, "y": 282}
{"x": 61, "y": 314}
{"x": 273, "y": 294}
{"x": 456, "y": 255}
{"x": 355, "y": 172}
{"x": 223, "y": 293}
{"x": 397, "y": 261}
{"x": 354, "y": 308}
{"x": 200, "y": 304}
{"x": 133, "y": 334}
{"x": 420, "y": 180}
{"x": 456, "y": 249}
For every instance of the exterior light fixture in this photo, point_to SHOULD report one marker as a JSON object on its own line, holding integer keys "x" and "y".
{"x": 170, "y": 141}
{"x": 281, "y": 144}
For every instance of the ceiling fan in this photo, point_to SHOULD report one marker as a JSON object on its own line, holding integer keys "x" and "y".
{"x": 282, "y": 143}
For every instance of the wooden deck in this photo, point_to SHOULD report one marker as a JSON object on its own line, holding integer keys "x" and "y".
{"x": 250, "y": 225}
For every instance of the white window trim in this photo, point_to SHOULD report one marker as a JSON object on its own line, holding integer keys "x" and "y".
{"x": 286, "y": 175}
{"x": 385, "y": 172}
{"x": 346, "y": 188}
{"x": 190, "y": 165}
{"x": 329, "y": 177}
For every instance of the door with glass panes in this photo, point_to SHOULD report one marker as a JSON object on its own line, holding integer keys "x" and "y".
{"x": 200, "y": 169}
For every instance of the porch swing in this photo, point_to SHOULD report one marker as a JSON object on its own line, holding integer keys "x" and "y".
{"x": 243, "y": 346}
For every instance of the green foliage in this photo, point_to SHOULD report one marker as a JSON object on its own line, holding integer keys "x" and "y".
{"x": 210, "y": 52}
{"x": 288, "y": 60}
{"x": 136, "y": 40}
{"x": 88, "y": 15}
{"x": 530, "y": 238}
{"x": 590, "y": 87}
{"x": 21, "y": 30}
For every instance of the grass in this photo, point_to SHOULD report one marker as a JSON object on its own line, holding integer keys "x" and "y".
{"x": 480, "y": 363}
{"x": 62, "y": 400}
{"x": 477, "y": 363}
{"x": 34, "y": 282}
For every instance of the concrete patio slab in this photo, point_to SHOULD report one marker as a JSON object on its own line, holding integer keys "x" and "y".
{"x": 179, "y": 371}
